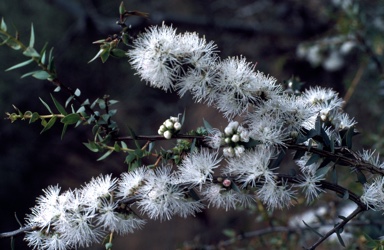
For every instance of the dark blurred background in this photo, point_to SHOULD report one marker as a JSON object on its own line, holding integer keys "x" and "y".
{"x": 285, "y": 38}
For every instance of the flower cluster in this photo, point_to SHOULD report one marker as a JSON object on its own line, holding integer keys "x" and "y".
{"x": 270, "y": 118}
{"x": 170, "y": 127}
{"x": 80, "y": 217}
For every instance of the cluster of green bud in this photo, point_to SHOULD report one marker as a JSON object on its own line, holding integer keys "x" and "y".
{"x": 234, "y": 135}
{"x": 170, "y": 127}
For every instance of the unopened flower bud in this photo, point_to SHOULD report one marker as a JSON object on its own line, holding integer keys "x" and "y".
{"x": 228, "y": 130}
{"x": 167, "y": 134}
{"x": 227, "y": 183}
{"x": 174, "y": 119}
{"x": 228, "y": 152}
{"x": 227, "y": 140}
{"x": 235, "y": 138}
{"x": 177, "y": 126}
{"x": 168, "y": 123}
{"x": 239, "y": 150}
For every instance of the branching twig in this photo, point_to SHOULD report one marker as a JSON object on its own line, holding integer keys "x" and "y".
{"x": 337, "y": 227}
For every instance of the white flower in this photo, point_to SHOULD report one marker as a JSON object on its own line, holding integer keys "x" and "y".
{"x": 238, "y": 86}
{"x": 276, "y": 196}
{"x": 310, "y": 185}
{"x": 231, "y": 128}
{"x": 239, "y": 150}
{"x": 342, "y": 121}
{"x": 155, "y": 56}
{"x": 130, "y": 182}
{"x": 373, "y": 194}
{"x": 161, "y": 198}
{"x": 370, "y": 156}
{"x": 252, "y": 166}
{"x": 219, "y": 197}
{"x": 215, "y": 139}
{"x": 228, "y": 152}
{"x": 267, "y": 131}
{"x": 198, "y": 167}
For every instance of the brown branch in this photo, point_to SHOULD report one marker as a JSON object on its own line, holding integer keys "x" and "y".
{"x": 17, "y": 232}
{"x": 337, "y": 227}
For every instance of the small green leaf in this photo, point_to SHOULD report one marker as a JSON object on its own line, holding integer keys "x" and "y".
{"x": 63, "y": 131}
{"x": 360, "y": 176}
{"x": 35, "y": 116}
{"x": 32, "y": 38}
{"x": 341, "y": 241}
{"x": 130, "y": 158}
{"x": 13, "y": 44}
{"x": 123, "y": 145}
{"x": 51, "y": 65}
{"x": 322, "y": 171}
{"x": 348, "y": 137}
{"x": 77, "y": 92}
{"x": 3, "y": 25}
{"x": 117, "y": 147}
{"x": 68, "y": 100}
{"x": 57, "y": 89}
{"x": 119, "y": 53}
{"x": 92, "y": 146}
{"x": 111, "y": 102}
{"x": 105, "y": 55}
{"x": 42, "y": 59}
{"x": 121, "y": 8}
{"x": 31, "y": 52}
{"x": 104, "y": 156}
{"x": 207, "y": 126}
{"x": 313, "y": 159}
{"x": 59, "y": 107}
{"x": 71, "y": 119}
{"x": 41, "y": 75}
{"x": 346, "y": 195}
{"x": 97, "y": 55}
{"x": 313, "y": 230}
{"x": 20, "y": 65}
{"x": 46, "y": 105}
{"x": 49, "y": 125}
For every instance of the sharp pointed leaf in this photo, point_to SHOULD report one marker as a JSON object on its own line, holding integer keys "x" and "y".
{"x": 22, "y": 64}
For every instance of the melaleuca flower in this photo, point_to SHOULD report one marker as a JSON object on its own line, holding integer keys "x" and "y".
{"x": 325, "y": 101}
{"x": 215, "y": 139}
{"x": 220, "y": 197}
{"x": 267, "y": 131}
{"x": 370, "y": 156}
{"x": 98, "y": 188}
{"x": 251, "y": 167}
{"x": 276, "y": 195}
{"x": 162, "y": 58}
{"x": 198, "y": 167}
{"x": 155, "y": 56}
{"x": 130, "y": 182}
{"x": 341, "y": 121}
{"x": 112, "y": 221}
{"x": 311, "y": 186}
{"x": 160, "y": 196}
{"x": 239, "y": 86}
{"x": 373, "y": 194}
